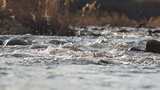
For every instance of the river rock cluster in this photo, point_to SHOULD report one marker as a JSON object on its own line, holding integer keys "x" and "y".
{"x": 91, "y": 45}
{"x": 151, "y": 45}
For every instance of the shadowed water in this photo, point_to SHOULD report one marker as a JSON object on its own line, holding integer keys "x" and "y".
{"x": 95, "y": 59}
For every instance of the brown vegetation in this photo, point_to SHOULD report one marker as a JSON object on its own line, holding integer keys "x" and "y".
{"x": 114, "y": 19}
{"x": 52, "y": 17}
{"x": 8, "y": 25}
{"x": 41, "y": 16}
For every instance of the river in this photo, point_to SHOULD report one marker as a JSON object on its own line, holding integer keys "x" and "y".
{"x": 98, "y": 58}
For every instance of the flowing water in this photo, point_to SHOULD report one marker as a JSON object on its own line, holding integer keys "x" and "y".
{"x": 98, "y": 58}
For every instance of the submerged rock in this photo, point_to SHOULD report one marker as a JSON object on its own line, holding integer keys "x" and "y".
{"x": 153, "y": 46}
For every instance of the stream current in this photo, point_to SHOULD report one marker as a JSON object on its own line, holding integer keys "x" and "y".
{"x": 98, "y": 58}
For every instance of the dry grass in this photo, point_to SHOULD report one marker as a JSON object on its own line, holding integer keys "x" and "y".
{"x": 114, "y": 19}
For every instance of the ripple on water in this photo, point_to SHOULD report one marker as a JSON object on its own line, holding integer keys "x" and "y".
{"x": 81, "y": 63}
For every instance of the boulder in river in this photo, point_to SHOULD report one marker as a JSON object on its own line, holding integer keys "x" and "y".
{"x": 2, "y": 39}
{"x": 153, "y": 46}
{"x": 23, "y": 40}
{"x": 154, "y": 32}
{"x": 16, "y": 41}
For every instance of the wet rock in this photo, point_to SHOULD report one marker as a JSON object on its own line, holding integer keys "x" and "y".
{"x": 18, "y": 42}
{"x": 1, "y": 42}
{"x": 153, "y": 32}
{"x": 96, "y": 33}
{"x": 135, "y": 49}
{"x": 2, "y": 39}
{"x": 156, "y": 31}
{"x": 149, "y": 32}
{"x": 58, "y": 41}
{"x": 153, "y": 46}
{"x": 95, "y": 28}
{"x": 105, "y": 62}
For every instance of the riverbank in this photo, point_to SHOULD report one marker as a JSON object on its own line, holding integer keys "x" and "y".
{"x": 62, "y": 25}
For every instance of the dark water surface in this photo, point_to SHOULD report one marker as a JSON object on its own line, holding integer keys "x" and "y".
{"x": 95, "y": 59}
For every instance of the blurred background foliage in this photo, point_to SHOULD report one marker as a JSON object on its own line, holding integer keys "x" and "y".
{"x": 55, "y": 16}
